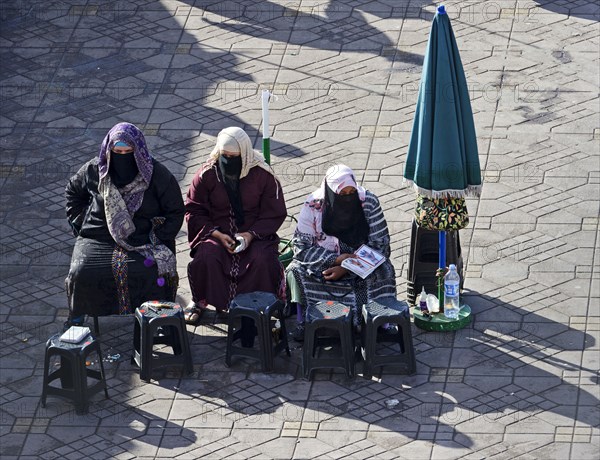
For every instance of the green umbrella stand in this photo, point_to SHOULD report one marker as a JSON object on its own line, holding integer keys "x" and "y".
{"x": 442, "y": 159}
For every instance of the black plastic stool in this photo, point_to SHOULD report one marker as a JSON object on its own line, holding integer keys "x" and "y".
{"x": 255, "y": 311}
{"x": 73, "y": 372}
{"x": 149, "y": 318}
{"x": 321, "y": 318}
{"x": 375, "y": 314}
{"x": 423, "y": 260}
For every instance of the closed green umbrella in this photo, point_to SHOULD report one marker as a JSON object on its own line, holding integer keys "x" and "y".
{"x": 442, "y": 158}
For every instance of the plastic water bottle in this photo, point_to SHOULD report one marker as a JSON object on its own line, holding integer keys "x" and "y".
{"x": 451, "y": 293}
{"x": 423, "y": 300}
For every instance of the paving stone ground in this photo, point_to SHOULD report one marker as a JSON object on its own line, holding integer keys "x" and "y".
{"x": 520, "y": 382}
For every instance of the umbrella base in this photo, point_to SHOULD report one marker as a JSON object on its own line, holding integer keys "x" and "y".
{"x": 424, "y": 260}
{"x": 439, "y": 323}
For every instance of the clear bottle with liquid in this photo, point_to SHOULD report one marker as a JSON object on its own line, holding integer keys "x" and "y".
{"x": 451, "y": 293}
{"x": 423, "y": 300}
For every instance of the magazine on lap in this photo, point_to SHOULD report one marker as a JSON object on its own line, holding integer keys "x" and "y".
{"x": 366, "y": 261}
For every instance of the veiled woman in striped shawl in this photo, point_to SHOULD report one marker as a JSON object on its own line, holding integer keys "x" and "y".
{"x": 334, "y": 221}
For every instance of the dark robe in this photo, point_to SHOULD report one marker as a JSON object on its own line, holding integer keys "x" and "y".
{"x": 91, "y": 287}
{"x": 216, "y": 276}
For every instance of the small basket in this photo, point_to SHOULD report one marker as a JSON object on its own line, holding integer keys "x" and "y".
{"x": 286, "y": 253}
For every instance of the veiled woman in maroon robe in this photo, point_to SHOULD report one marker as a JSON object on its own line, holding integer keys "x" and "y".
{"x": 234, "y": 194}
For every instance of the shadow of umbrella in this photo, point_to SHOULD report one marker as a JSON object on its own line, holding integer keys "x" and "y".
{"x": 115, "y": 427}
{"x": 496, "y": 374}
{"x": 509, "y": 366}
{"x": 132, "y": 418}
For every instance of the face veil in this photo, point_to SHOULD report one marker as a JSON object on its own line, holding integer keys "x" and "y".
{"x": 230, "y": 167}
{"x": 344, "y": 218}
{"x": 122, "y": 168}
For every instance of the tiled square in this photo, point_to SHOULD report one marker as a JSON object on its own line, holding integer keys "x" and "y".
{"x": 358, "y": 66}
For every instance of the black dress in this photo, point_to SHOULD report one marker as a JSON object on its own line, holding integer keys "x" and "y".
{"x": 91, "y": 285}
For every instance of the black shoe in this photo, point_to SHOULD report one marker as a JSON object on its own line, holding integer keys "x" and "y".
{"x": 387, "y": 334}
{"x": 289, "y": 309}
{"x": 298, "y": 333}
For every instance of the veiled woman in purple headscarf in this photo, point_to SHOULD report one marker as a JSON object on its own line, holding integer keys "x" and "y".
{"x": 125, "y": 209}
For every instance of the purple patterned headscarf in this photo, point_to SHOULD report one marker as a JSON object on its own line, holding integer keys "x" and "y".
{"x": 121, "y": 203}
{"x": 132, "y": 136}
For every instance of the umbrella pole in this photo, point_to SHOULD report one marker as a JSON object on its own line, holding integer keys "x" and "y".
{"x": 265, "y": 123}
{"x": 442, "y": 268}
{"x": 267, "y": 149}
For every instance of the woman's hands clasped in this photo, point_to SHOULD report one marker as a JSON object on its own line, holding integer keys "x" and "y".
{"x": 229, "y": 243}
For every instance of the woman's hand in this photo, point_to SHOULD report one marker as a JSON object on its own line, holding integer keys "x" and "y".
{"x": 248, "y": 237}
{"x": 227, "y": 241}
{"x": 334, "y": 273}
{"x": 342, "y": 257}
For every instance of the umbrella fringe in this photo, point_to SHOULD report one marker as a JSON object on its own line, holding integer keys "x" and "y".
{"x": 471, "y": 190}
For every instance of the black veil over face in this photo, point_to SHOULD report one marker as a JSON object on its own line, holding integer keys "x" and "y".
{"x": 231, "y": 169}
{"x": 344, "y": 218}
{"x": 122, "y": 168}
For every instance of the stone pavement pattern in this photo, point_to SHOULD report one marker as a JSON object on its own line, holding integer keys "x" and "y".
{"x": 520, "y": 382}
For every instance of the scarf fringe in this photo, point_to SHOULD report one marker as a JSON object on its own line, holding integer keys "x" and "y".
{"x": 471, "y": 190}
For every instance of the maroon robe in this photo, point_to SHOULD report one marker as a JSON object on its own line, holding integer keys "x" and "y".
{"x": 216, "y": 276}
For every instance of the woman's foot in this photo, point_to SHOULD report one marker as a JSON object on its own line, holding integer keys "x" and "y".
{"x": 73, "y": 321}
{"x": 298, "y": 333}
{"x": 289, "y": 309}
{"x": 387, "y": 330}
{"x": 193, "y": 313}
{"x": 223, "y": 315}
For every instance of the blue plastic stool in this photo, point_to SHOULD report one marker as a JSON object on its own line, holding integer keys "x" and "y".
{"x": 255, "y": 311}
{"x": 375, "y": 314}
{"x": 73, "y": 371}
{"x": 321, "y": 318}
{"x": 149, "y": 318}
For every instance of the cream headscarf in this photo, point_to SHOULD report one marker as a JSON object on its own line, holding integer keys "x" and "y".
{"x": 235, "y": 139}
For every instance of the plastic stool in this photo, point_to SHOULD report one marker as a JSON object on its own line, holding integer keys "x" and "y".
{"x": 73, "y": 372}
{"x": 330, "y": 316}
{"x": 375, "y": 314}
{"x": 424, "y": 260}
{"x": 149, "y": 318}
{"x": 255, "y": 311}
